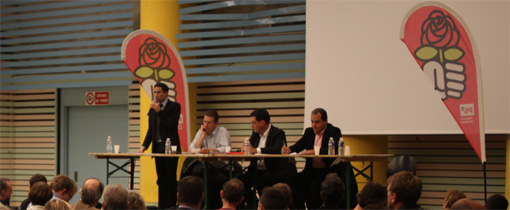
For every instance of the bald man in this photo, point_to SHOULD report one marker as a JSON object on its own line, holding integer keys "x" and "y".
{"x": 91, "y": 191}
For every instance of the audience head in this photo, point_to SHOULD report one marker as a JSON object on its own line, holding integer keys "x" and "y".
{"x": 404, "y": 188}
{"x": 5, "y": 189}
{"x": 332, "y": 190}
{"x": 37, "y": 178}
{"x": 372, "y": 196}
{"x": 497, "y": 201}
{"x": 136, "y": 201}
{"x": 63, "y": 186}
{"x": 452, "y": 196}
{"x": 465, "y": 203}
{"x": 233, "y": 192}
{"x": 115, "y": 197}
{"x": 190, "y": 191}
{"x": 272, "y": 198}
{"x": 319, "y": 120}
{"x": 40, "y": 193}
{"x": 91, "y": 191}
{"x": 56, "y": 204}
{"x": 286, "y": 190}
{"x": 260, "y": 120}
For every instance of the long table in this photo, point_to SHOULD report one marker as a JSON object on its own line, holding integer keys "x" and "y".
{"x": 241, "y": 157}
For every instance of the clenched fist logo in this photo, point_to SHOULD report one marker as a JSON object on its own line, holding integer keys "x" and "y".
{"x": 440, "y": 54}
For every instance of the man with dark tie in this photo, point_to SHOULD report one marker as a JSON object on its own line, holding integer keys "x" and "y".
{"x": 308, "y": 182}
{"x": 268, "y": 139}
{"x": 163, "y": 123}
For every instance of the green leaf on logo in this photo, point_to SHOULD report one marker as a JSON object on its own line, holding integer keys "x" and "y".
{"x": 426, "y": 53}
{"x": 453, "y": 54}
{"x": 144, "y": 72}
{"x": 166, "y": 74}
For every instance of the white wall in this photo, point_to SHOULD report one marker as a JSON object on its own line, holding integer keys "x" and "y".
{"x": 365, "y": 77}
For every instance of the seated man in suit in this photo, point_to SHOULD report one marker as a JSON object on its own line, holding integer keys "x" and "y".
{"x": 307, "y": 184}
{"x": 267, "y": 139}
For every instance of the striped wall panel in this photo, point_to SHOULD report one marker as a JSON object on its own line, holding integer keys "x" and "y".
{"x": 64, "y": 44}
{"x": 242, "y": 40}
{"x": 134, "y": 128}
{"x": 28, "y": 135}
{"x": 234, "y": 101}
{"x": 449, "y": 162}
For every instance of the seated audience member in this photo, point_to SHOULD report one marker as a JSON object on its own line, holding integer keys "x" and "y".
{"x": 497, "y": 201}
{"x": 452, "y": 196}
{"x": 5, "y": 191}
{"x": 190, "y": 192}
{"x": 63, "y": 187}
{"x": 232, "y": 194}
{"x": 136, "y": 201}
{"x": 39, "y": 194}
{"x": 272, "y": 198}
{"x": 404, "y": 191}
{"x": 91, "y": 192}
{"x": 115, "y": 197}
{"x": 287, "y": 192}
{"x": 372, "y": 196}
{"x": 56, "y": 204}
{"x": 332, "y": 192}
{"x": 35, "y": 178}
{"x": 465, "y": 203}
{"x": 211, "y": 138}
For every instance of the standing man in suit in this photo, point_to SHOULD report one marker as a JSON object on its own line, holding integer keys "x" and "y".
{"x": 268, "y": 139}
{"x": 163, "y": 123}
{"x": 308, "y": 182}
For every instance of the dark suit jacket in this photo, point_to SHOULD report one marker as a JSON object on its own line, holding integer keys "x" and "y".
{"x": 279, "y": 167}
{"x": 308, "y": 139}
{"x": 168, "y": 126}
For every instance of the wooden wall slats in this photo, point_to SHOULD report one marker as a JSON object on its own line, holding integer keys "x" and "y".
{"x": 134, "y": 127}
{"x": 447, "y": 162}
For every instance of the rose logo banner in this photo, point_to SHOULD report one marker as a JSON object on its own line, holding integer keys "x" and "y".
{"x": 153, "y": 59}
{"x": 439, "y": 42}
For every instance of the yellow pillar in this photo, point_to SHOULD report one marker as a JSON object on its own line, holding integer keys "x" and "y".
{"x": 369, "y": 145}
{"x": 162, "y": 17}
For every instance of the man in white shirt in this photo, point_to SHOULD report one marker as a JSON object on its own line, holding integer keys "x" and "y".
{"x": 211, "y": 138}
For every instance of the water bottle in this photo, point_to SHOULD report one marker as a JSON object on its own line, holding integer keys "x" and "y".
{"x": 109, "y": 145}
{"x": 331, "y": 146}
{"x": 167, "y": 146}
{"x": 246, "y": 146}
{"x": 341, "y": 146}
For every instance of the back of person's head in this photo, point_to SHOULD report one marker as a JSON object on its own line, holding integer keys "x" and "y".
{"x": 37, "y": 178}
{"x": 372, "y": 196}
{"x": 272, "y": 198}
{"x": 465, "y": 203}
{"x": 190, "y": 190}
{"x": 497, "y": 201}
{"x": 214, "y": 114}
{"x": 332, "y": 190}
{"x": 233, "y": 191}
{"x": 40, "y": 193}
{"x": 136, "y": 201}
{"x": 261, "y": 114}
{"x": 286, "y": 190}
{"x": 62, "y": 182}
{"x": 56, "y": 204}
{"x": 406, "y": 186}
{"x": 452, "y": 196}
{"x": 3, "y": 183}
{"x": 91, "y": 191}
{"x": 115, "y": 197}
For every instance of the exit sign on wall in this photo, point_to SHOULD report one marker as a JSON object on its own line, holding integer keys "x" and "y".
{"x": 97, "y": 98}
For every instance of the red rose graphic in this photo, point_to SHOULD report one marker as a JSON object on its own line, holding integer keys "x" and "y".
{"x": 439, "y": 30}
{"x": 153, "y": 54}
